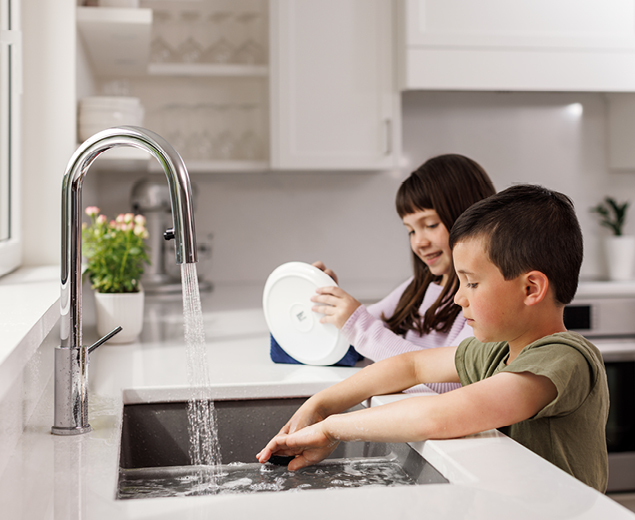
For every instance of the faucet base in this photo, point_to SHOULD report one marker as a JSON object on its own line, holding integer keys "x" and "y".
{"x": 70, "y": 431}
{"x": 71, "y": 399}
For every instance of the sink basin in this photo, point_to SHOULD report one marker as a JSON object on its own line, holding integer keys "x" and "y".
{"x": 154, "y": 459}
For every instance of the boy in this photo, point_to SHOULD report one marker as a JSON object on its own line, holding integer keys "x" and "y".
{"x": 517, "y": 255}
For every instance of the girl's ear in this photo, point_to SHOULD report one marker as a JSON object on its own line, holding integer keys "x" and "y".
{"x": 536, "y": 285}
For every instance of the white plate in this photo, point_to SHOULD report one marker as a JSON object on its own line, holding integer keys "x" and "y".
{"x": 296, "y": 328}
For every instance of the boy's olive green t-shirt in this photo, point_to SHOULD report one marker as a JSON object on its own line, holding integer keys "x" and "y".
{"x": 570, "y": 431}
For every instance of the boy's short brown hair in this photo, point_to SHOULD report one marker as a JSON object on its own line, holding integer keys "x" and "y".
{"x": 528, "y": 227}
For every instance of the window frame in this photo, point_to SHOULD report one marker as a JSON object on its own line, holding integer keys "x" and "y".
{"x": 11, "y": 47}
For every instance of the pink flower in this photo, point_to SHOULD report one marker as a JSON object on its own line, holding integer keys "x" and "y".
{"x": 101, "y": 219}
{"x": 92, "y": 210}
{"x": 140, "y": 220}
{"x": 140, "y": 231}
{"x": 128, "y": 218}
{"x": 120, "y": 218}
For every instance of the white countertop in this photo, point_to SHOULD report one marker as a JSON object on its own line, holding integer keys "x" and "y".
{"x": 28, "y": 311}
{"x": 605, "y": 289}
{"x": 46, "y": 476}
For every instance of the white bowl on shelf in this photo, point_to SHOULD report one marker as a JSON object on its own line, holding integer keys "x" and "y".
{"x": 100, "y": 112}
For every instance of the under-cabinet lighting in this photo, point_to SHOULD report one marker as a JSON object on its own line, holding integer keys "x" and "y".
{"x": 574, "y": 110}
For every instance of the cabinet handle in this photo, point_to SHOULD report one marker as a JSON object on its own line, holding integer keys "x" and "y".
{"x": 388, "y": 128}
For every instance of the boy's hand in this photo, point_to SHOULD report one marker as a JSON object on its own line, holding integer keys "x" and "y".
{"x": 336, "y": 305}
{"x": 322, "y": 267}
{"x": 309, "y": 446}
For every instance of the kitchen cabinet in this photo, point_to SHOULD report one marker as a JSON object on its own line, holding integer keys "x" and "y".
{"x": 334, "y": 99}
{"x": 620, "y": 117}
{"x": 320, "y": 93}
{"x": 567, "y": 45}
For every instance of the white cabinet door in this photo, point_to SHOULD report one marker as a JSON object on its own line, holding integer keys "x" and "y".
{"x": 334, "y": 102}
{"x": 532, "y": 45}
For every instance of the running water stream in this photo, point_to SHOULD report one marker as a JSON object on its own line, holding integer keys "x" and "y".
{"x": 204, "y": 447}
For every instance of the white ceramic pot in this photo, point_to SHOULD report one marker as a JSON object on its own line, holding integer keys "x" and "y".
{"x": 620, "y": 257}
{"x": 125, "y": 309}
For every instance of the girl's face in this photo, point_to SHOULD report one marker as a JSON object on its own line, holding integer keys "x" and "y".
{"x": 429, "y": 240}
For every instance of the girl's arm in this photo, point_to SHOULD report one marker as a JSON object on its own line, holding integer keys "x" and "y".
{"x": 368, "y": 333}
{"x": 389, "y": 376}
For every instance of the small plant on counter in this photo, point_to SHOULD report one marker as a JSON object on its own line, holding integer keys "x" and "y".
{"x": 115, "y": 251}
{"x": 612, "y": 214}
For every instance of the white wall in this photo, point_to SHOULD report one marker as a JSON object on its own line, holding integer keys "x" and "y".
{"x": 259, "y": 221}
{"x": 555, "y": 139}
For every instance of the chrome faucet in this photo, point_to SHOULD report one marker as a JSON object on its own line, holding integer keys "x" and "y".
{"x": 71, "y": 357}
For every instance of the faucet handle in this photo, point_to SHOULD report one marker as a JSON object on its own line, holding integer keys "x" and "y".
{"x": 169, "y": 234}
{"x": 103, "y": 340}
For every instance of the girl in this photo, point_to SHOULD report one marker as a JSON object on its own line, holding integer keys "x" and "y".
{"x": 421, "y": 312}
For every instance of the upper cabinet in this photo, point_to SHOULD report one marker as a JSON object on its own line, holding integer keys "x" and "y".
{"x": 334, "y": 100}
{"x": 251, "y": 85}
{"x": 558, "y": 45}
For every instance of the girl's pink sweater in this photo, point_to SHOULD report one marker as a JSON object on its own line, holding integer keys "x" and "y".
{"x": 370, "y": 336}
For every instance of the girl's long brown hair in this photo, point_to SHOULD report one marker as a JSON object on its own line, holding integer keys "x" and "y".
{"x": 447, "y": 184}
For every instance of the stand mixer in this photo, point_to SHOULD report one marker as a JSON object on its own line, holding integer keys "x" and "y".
{"x": 151, "y": 199}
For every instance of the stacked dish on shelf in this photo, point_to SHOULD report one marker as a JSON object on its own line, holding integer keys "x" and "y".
{"x": 97, "y": 113}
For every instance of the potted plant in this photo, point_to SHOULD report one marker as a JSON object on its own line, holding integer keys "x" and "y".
{"x": 116, "y": 254}
{"x": 620, "y": 248}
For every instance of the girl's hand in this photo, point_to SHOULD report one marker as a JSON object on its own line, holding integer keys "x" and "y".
{"x": 336, "y": 305}
{"x": 309, "y": 446}
{"x": 305, "y": 416}
{"x": 322, "y": 267}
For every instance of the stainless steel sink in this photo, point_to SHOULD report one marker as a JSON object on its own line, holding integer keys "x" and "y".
{"x": 154, "y": 459}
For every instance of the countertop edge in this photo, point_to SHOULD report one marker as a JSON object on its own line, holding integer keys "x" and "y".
{"x": 29, "y": 300}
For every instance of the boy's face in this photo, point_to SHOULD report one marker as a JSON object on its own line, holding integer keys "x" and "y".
{"x": 491, "y": 305}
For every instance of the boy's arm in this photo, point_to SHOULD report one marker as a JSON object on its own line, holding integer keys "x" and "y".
{"x": 385, "y": 377}
{"x": 501, "y": 400}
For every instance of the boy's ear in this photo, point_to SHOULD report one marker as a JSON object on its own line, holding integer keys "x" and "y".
{"x": 536, "y": 286}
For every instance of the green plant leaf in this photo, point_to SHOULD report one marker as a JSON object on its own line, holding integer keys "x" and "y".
{"x": 612, "y": 214}
{"x": 116, "y": 257}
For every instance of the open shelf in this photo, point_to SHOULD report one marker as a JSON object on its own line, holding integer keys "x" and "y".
{"x": 117, "y": 42}
{"x": 122, "y": 157}
{"x": 211, "y": 166}
{"x": 207, "y": 70}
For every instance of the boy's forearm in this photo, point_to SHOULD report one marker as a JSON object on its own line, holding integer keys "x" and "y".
{"x": 386, "y": 423}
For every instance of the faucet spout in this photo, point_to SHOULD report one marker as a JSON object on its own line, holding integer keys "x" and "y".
{"x": 71, "y": 357}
